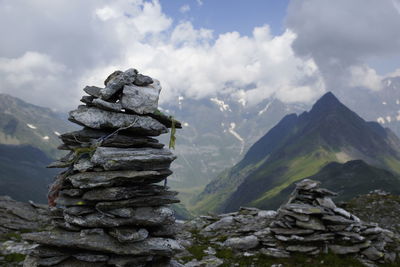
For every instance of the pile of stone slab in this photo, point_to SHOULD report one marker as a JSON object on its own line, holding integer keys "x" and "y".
{"x": 109, "y": 208}
{"x": 311, "y": 223}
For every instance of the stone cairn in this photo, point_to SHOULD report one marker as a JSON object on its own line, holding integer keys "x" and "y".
{"x": 311, "y": 223}
{"x": 108, "y": 208}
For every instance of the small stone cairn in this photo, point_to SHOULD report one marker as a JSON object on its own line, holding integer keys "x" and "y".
{"x": 311, "y": 223}
{"x": 108, "y": 208}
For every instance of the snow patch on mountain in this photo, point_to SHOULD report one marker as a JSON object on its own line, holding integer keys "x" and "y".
{"x": 389, "y": 119}
{"x": 236, "y": 135}
{"x": 57, "y": 133}
{"x": 31, "y": 126}
{"x": 46, "y": 137}
{"x": 380, "y": 120}
{"x": 221, "y": 104}
{"x": 180, "y": 99}
{"x": 264, "y": 109}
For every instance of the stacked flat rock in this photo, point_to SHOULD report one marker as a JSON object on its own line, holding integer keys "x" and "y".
{"x": 311, "y": 223}
{"x": 110, "y": 209}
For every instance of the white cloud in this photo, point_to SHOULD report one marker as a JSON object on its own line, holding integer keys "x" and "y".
{"x": 364, "y": 76}
{"x": 341, "y": 36}
{"x": 199, "y": 2}
{"x": 184, "y": 8}
{"x": 50, "y": 59}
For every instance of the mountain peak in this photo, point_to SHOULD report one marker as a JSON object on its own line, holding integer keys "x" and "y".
{"x": 327, "y": 103}
{"x": 328, "y": 99}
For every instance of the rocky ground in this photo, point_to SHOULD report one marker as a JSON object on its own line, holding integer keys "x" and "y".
{"x": 17, "y": 218}
{"x": 215, "y": 240}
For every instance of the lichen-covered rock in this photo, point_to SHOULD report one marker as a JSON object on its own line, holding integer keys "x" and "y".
{"x": 141, "y": 100}
{"x": 140, "y": 159}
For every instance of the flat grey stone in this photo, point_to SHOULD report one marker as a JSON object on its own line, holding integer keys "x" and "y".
{"x": 242, "y": 243}
{"x": 304, "y": 209}
{"x": 91, "y": 257}
{"x": 140, "y": 159}
{"x": 113, "y": 76}
{"x": 307, "y": 184}
{"x": 337, "y": 249}
{"x": 117, "y": 82}
{"x": 116, "y": 178}
{"x": 141, "y": 100}
{"x": 294, "y": 231}
{"x": 168, "y": 230}
{"x": 319, "y": 237}
{"x": 223, "y": 223}
{"x": 96, "y": 118}
{"x": 129, "y": 234}
{"x": 169, "y": 197}
{"x": 313, "y": 224}
{"x": 90, "y": 136}
{"x": 289, "y": 238}
{"x": 109, "y": 106}
{"x": 353, "y": 236}
{"x": 119, "y": 193}
{"x": 92, "y": 90}
{"x": 129, "y": 261}
{"x": 342, "y": 212}
{"x": 104, "y": 243}
{"x": 50, "y": 261}
{"x": 299, "y": 248}
{"x": 326, "y": 202}
{"x": 372, "y": 231}
{"x": 72, "y": 201}
{"x": 79, "y": 210}
{"x": 337, "y": 219}
{"x": 143, "y": 80}
{"x": 275, "y": 252}
{"x": 297, "y": 216}
{"x": 146, "y": 216}
{"x": 83, "y": 165}
{"x": 72, "y": 192}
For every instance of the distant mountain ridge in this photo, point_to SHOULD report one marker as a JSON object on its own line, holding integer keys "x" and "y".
{"x": 298, "y": 147}
{"x": 24, "y": 123}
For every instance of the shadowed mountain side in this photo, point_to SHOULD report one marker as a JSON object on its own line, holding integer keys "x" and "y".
{"x": 23, "y": 174}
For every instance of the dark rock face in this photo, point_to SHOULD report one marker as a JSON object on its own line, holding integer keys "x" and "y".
{"x": 107, "y": 209}
{"x": 19, "y": 216}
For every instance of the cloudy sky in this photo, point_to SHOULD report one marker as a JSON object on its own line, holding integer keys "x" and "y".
{"x": 293, "y": 50}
